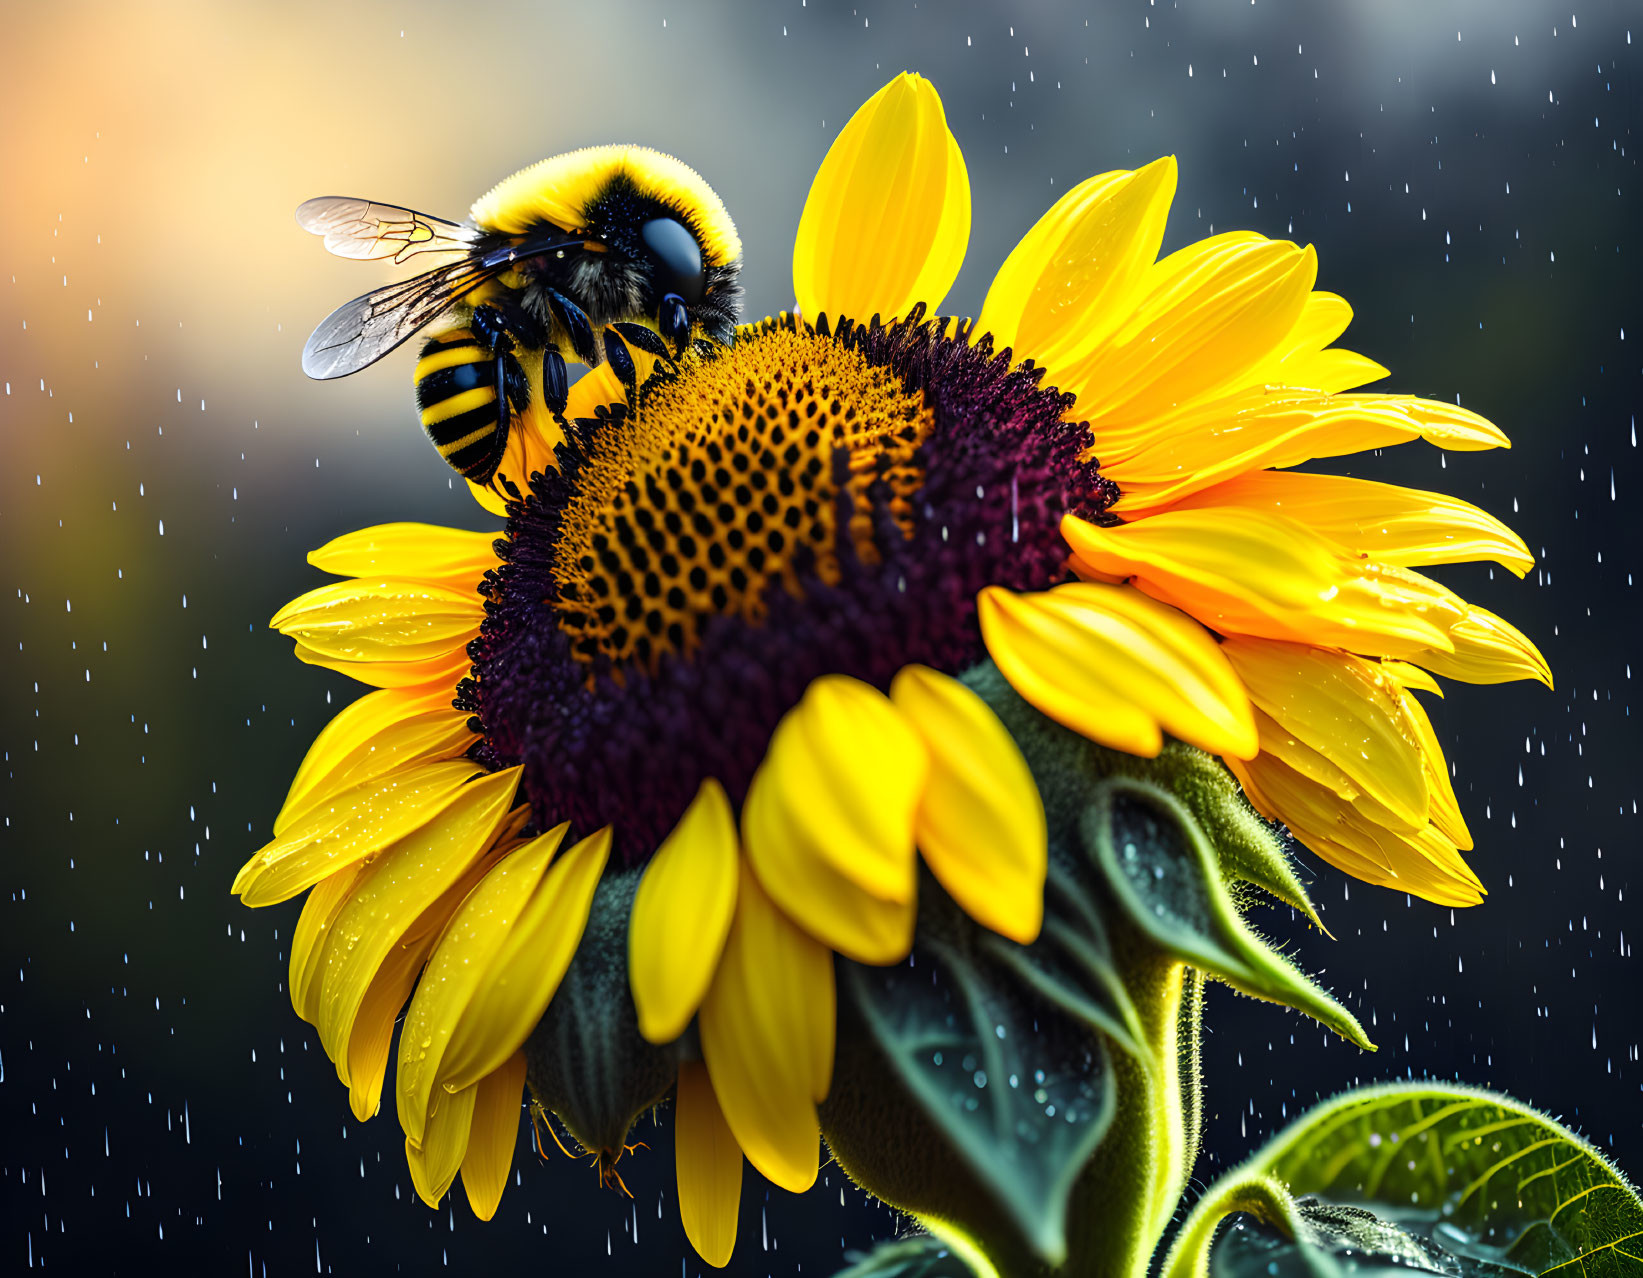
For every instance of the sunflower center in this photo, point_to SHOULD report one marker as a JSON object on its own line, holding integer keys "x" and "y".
{"x": 726, "y": 483}
{"x": 812, "y": 501}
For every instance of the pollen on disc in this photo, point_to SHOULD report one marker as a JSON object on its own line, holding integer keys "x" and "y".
{"x": 721, "y": 481}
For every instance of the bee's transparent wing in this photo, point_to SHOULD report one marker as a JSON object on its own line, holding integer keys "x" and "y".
{"x": 368, "y": 231}
{"x": 360, "y": 332}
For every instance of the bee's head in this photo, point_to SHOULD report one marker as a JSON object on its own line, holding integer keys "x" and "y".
{"x": 690, "y": 292}
{"x": 673, "y": 249}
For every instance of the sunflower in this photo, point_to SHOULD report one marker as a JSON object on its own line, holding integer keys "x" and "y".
{"x": 716, "y": 645}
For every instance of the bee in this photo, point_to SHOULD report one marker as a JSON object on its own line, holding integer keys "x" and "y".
{"x": 571, "y": 259}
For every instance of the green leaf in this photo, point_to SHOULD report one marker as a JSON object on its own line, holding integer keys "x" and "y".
{"x": 1162, "y": 869}
{"x": 1505, "y": 1181}
{"x": 921, "y": 1256}
{"x": 1018, "y": 1091}
{"x": 1461, "y": 1181}
{"x": 1328, "y": 1241}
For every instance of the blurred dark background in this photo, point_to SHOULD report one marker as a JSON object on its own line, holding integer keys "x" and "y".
{"x": 1467, "y": 171}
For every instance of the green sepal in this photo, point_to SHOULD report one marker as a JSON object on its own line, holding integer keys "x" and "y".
{"x": 1248, "y": 849}
{"x": 1018, "y": 1091}
{"x": 1065, "y": 764}
{"x": 586, "y": 1060}
{"x": 1164, "y": 873}
{"x": 1071, "y": 964}
{"x": 1110, "y": 993}
{"x": 1480, "y": 1181}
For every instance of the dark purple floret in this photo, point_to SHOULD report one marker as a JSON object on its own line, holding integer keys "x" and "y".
{"x": 628, "y": 747}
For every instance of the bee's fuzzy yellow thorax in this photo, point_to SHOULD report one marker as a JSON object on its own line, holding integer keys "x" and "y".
{"x": 561, "y": 188}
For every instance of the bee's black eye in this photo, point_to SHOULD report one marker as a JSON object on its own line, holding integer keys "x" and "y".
{"x": 677, "y": 257}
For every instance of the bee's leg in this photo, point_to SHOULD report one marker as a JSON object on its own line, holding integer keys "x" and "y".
{"x": 646, "y": 340}
{"x": 493, "y": 478}
{"x": 492, "y": 328}
{"x": 556, "y": 386}
{"x": 674, "y": 322}
{"x": 573, "y": 320}
{"x": 508, "y": 328}
{"x": 504, "y": 332}
{"x": 516, "y": 381}
{"x": 621, "y": 363}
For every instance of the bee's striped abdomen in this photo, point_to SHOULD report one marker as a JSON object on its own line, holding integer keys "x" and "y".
{"x": 456, "y": 392}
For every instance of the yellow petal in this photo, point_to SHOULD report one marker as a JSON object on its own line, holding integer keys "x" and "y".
{"x": 708, "y": 1164}
{"x": 382, "y": 619}
{"x": 1301, "y": 360}
{"x": 525, "y": 970}
{"x": 681, "y": 915}
{"x": 319, "y": 911}
{"x": 1302, "y": 758}
{"x": 852, "y": 770}
{"x": 1323, "y": 318}
{"x": 1344, "y": 708}
{"x": 1159, "y": 462}
{"x": 1371, "y": 868}
{"x": 595, "y": 388}
{"x": 981, "y": 821}
{"x": 767, "y": 1029}
{"x": 1331, "y": 371}
{"x": 350, "y": 736}
{"x": 363, "y": 1067}
{"x": 443, "y": 671}
{"x": 1421, "y": 863}
{"x": 1446, "y": 425}
{"x": 1445, "y": 808}
{"x": 394, "y": 890}
{"x": 1118, "y": 667}
{"x": 492, "y": 1137}
{"x": 829, "y": 819}
{"x": 1243, "y": 571}
{"x": 1209, "y": 314}
{"x": 410, "y": 552}
{"x": 1441, "y": 851}
{"x": 430, "y": 736}
{"x": 435, "y": 1162}
{"x": 1486, "y": 649}
{"x": 830, "y": 905}
{"x": 363, "y": 1064}
{"x": 1392, "y": 525}
{"x": 491, "y": 500}
{"x": 355, "y": 824}
{"x": 1412, "y": 677}
{"x": 1066, "y": 285}
{"x": 1280, "y": 793}
{"x": 488, "y": 992}
{"x": 460, "y": 964}
{"x": 888, "y": 215}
